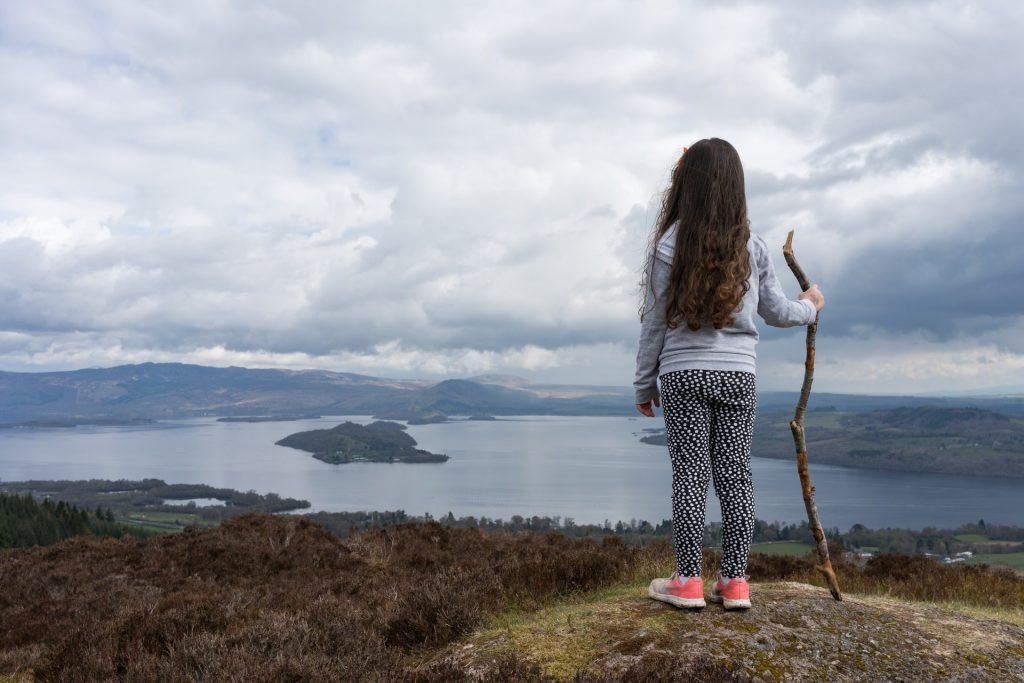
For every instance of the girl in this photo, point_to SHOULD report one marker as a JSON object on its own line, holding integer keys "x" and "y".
{"x": 706, "y": 275}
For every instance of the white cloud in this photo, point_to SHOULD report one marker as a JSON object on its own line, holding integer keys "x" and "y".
{"x": 449, "y": 189}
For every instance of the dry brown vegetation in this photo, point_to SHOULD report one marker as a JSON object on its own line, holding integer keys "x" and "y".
{"x": 276, "y": 598}
{"x": 266, "y": 598}
{"x": 908, "y": 577}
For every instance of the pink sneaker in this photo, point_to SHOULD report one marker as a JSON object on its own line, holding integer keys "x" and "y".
{"x": 732, "y": 595}
{"x": 689, "y": 593}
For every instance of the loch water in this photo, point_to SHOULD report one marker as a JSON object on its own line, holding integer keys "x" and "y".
{"x": 591, "y": 469}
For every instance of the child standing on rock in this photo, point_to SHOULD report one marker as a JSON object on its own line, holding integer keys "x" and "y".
{"x": 705, "y": 277}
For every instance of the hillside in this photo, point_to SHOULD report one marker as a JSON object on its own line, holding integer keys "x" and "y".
{"x": 175, "y": 390}
{"x": 949, "y": 440}
{"x": 162, "y": 390}
{"x": 170, "y": 390}
{"x": 265, "y": 598}
{"x": 963, "y": 441}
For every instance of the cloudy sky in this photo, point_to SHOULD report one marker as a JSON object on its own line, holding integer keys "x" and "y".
{"x": 449, "y": 188}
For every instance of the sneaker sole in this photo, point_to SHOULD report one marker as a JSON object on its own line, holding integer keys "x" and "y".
{"x": 686, "y": 603}
{"x": 731, "y": 604}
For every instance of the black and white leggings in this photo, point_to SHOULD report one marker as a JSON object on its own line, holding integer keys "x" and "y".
{"x": 709, "y": 418}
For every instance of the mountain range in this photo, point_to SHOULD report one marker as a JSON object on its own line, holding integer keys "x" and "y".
{"x": 175, "y": 390}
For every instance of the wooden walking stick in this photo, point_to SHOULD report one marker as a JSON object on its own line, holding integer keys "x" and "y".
{"x": 797, "y": 427}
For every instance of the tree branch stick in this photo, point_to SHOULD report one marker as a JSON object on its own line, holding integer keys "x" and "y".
{"x": 797, "y": 427}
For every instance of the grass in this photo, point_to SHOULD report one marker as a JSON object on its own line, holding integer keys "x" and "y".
{"x": 971, "y": 538}
{"x": 788, "y": 548}
{"x": 587, "y": 621}
{"x": 167, "y": 522}
{"x": 1011, "y": 615}
{"x": 1013, "y": 560}
{"x": 171, "y": 518}
{"x": 16, "y": 678}
{"x": 158, "y": 529}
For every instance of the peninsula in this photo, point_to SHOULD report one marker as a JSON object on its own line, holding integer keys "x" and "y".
{"x": 963, "y": 440}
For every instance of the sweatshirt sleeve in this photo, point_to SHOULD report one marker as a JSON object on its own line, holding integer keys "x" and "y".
{"x": 652, "y": 332}
{"x": 772, "y": 303}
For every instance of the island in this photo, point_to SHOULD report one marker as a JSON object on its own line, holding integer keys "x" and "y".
{"x": 351, "y": 442}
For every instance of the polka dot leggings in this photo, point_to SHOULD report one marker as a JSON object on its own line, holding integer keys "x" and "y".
{"x": 709, "y": 417}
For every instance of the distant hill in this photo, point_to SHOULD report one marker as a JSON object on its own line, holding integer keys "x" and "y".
{"x": 176, "y": 390}
{"x": 164, "y": 390}
{"x": 979, "y": 424}
{"x": 465, "y": 397}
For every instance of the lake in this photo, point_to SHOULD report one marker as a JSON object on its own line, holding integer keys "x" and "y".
{"x": 587, "y": 468}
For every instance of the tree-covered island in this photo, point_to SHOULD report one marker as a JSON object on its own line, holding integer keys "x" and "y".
{"x": 351, "y": 442}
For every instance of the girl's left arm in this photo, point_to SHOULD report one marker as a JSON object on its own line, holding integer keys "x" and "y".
{"x": 652, "y": 333}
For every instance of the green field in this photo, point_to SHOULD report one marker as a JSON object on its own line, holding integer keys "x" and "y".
{"x": 167, "y": 521}
{"x": 971, "y": 538}
{"x": 1014, "y": 560}
{"x": 791, "y": 548}
{"x": 824, "y": 419}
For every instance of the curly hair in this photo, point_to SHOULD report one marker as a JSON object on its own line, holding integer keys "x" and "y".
{"x": 711, "y": 265}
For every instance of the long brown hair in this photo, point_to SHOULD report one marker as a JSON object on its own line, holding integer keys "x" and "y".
{"x": 711, "y": 265}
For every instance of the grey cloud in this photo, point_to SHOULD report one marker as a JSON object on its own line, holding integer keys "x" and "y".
{"x": 326, "y": 179}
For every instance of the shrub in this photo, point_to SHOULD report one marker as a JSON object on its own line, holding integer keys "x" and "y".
{"x": 278, "y": 598}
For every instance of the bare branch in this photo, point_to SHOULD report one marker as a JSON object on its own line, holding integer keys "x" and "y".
{"x": 797, "y": 427}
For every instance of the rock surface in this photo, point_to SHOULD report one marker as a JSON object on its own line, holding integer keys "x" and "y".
{"x": 795, "y": 632}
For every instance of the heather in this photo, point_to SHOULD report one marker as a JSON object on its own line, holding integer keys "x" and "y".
{"x": 280, "y": 598}
{"x": 269, "y": 598}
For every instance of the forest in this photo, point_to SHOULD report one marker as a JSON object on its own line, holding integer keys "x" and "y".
{"x": 25, "y": 521}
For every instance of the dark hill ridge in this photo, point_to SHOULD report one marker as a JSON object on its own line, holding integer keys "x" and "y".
{"x": 465, "y": 397}
{"x": 937, "y": 420}
{"x": 163, "y": 390}
{"x": 176, "y": 390}
{"x": 173, "y": 390}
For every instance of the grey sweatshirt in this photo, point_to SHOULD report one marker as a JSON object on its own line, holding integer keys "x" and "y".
{"x": 664, "y": 350}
